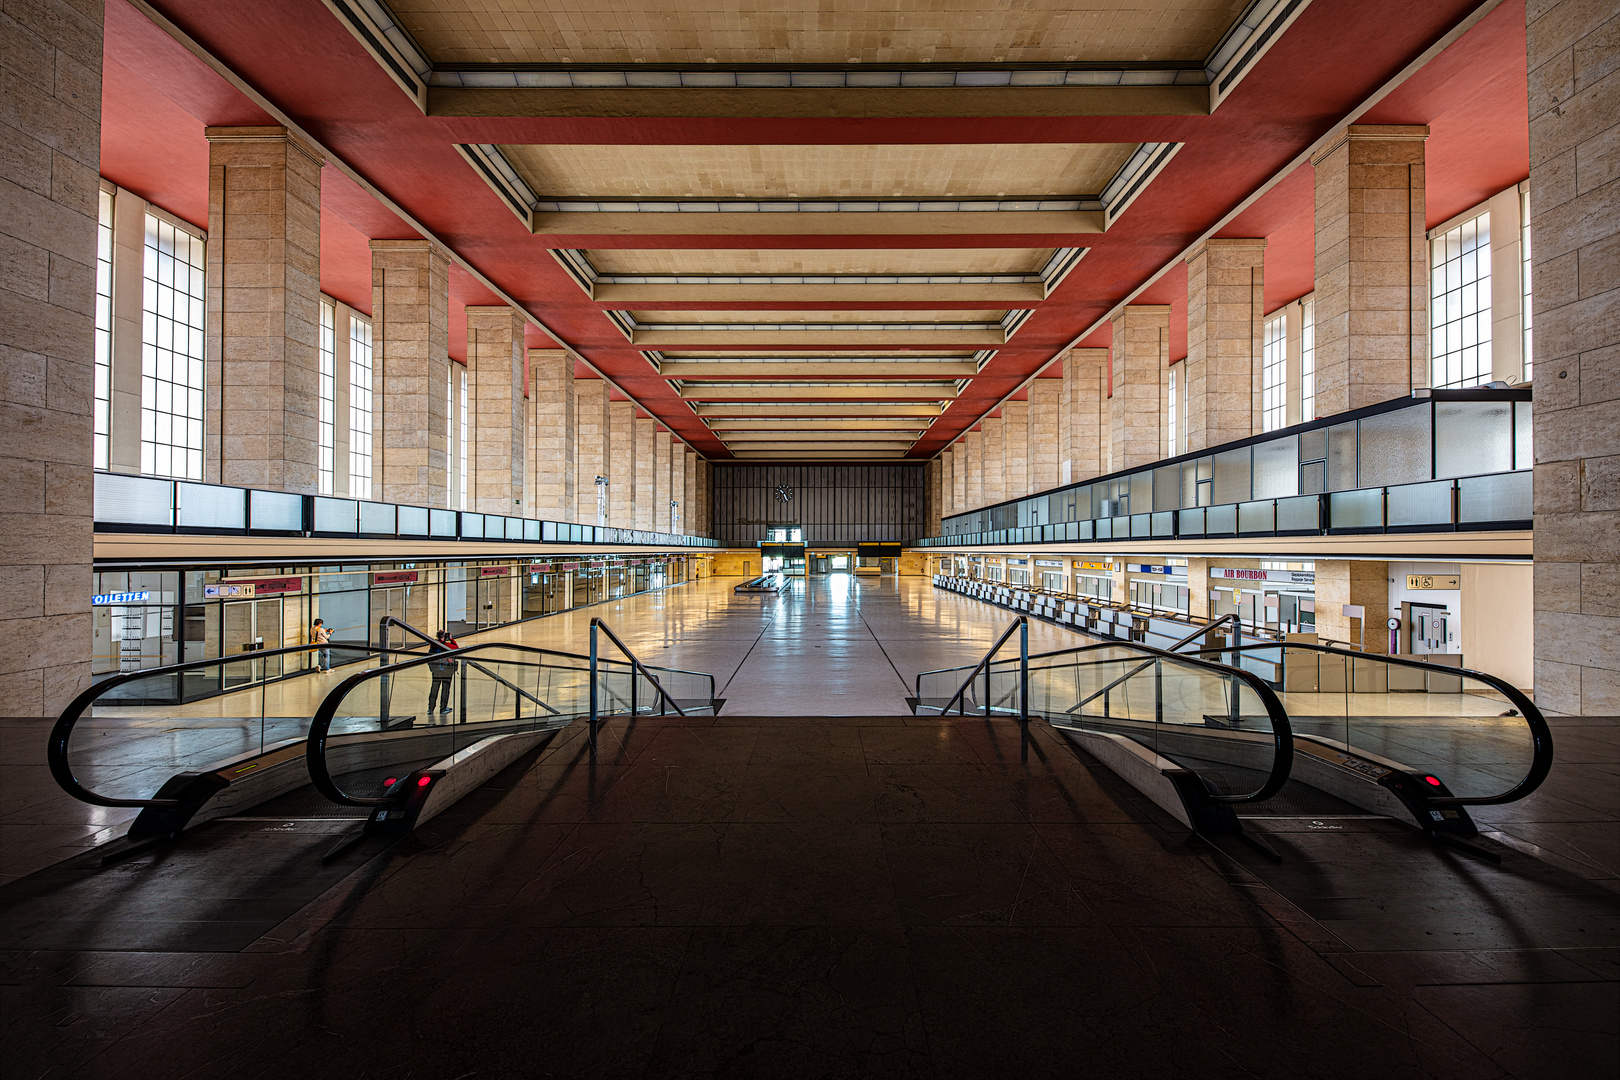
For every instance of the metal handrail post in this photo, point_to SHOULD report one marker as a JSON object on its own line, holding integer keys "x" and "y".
{"x": 1023, "y": 674}
{"x": 593, "y": 689}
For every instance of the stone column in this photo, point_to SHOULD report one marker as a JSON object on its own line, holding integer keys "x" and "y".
{"x": 621, "y": 462}
{"x": 1084, "y": 416}
{"x": 947, "y": 483}
{"x": 262, "y": 341}
{"x": 1359, "y": 583}
{"x": 128, "y": 317}
{"x": 342, "y": 397}
{"x": 705, "y": 481}
{"x": 552, "y": 474}
{"x": 1226, "y": 305}
{"x": 932, "y": 486}
{"x": 1197, "y": 588}
{"x": 973, "y": 445}
{"x": 497, "y": 462}
{"x": 1372, "y": 267}
{"x": 1507, "y": 287}
{"x": 663, "y": 485}
{"x": 643, "y": 511}
{"x": 590, "y": 445}
{"x": 410, "y": 350}
{"x": 959, "y": 475}
{"x": 1015, "y": 449}
{"x": 691, "y": 512}
{"x": 1045, "y": 401}
{"x": 993, "y": 464}
{"x": 49, "y": 196}
{"x": 1575, "y": 223}
{"x": 1140, "y": 351}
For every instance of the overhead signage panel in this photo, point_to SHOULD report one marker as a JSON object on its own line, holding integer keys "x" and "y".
{"x": 121, "y": 598}
{"x": 1290, "y": 577}
{"x": 1421, "y": 582}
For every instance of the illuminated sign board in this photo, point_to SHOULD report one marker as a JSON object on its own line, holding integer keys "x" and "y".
{"x": 121, "y": 598}
{"x": 1291, "y": 577}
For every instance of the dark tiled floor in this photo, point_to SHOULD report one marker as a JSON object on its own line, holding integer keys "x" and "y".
{"x": 851, "y": 896}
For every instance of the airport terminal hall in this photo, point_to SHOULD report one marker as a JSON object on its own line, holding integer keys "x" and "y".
{"x": 810, "y": 539}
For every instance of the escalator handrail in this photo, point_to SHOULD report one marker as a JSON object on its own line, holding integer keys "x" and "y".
{"x": 56, "y": 748}
{"x": 1540, "y": 732}
{"x": 1282, "y": 730}
{"x": 320, "y": 724}
{"x": 528, "y": 648}
{"x": 1021, "y": 622}
{"x": 1172, "y": 647}
{"x": 636, "y": 664}
{"x": 1054, "y": 652}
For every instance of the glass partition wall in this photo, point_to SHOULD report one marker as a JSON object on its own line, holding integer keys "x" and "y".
{"x": 149, "y": 618}
{"x": 1452, "y": 459}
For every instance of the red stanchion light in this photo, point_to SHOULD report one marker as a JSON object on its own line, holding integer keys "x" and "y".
{"x": 1432, "y": 781}
{"x": 426, "y": 780}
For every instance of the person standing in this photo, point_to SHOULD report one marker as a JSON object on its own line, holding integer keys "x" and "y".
{"x": 320, "y": 635}
{"x": 443, "y": 669}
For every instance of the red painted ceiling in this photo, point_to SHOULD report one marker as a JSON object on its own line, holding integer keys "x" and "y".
{"x": 157, "y": 98}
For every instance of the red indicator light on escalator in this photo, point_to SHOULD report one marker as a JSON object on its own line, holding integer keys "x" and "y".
{"x": 426, "y": 780}
{"x": 390, "y": 782}
{"x": 1432, "y": 781}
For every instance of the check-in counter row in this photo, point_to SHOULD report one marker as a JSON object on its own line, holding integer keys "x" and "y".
{"x": 1099, "y": 620}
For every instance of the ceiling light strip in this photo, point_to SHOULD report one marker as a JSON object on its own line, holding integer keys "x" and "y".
{"x": 1058, "y": 266}
{"x": 815, "y": 206}
{"x": 1260, "y": 26}
{"x": 559, "y": 77}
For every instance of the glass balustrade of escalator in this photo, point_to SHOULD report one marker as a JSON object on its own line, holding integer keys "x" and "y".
{"x": 1471, "y": 738}
{"x": 122, "y": 740}
{"x": 379, "y": 725}
{"x": 1225, "y": 725}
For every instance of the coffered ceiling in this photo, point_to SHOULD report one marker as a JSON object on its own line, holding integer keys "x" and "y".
{"x": 835, "y": 32}
{"x": 816, "y": 230}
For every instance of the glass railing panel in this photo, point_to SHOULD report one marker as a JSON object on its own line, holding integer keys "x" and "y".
{"x": 1430, "y": 718}
{"x": 278, "y": 511}
{"x": 336, "y": 516}
{"x": 415, "y": 714}
{"x": 1303, "y": 513}
{"x": 1192, "y": 714}
{"x": 1356, "y": 509}
{"x": 134, "y": 500}
{"x": 378, "y": 518}
{"x": 1257, "y": 517}
{"x": 139, "y": 731}
{"x": 1419, "y": 504}
{"x": 1502, "y": 497}
{"x": 205, "y": 506}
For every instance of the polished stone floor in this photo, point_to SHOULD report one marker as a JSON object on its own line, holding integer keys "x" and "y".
{"x": 779, "y": 896}
{"x": 814, "y": 883}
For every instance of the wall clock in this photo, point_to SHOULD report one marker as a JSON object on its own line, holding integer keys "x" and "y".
{"x": 784, "y": 494}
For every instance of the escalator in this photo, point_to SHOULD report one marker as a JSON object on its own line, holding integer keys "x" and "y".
{"x": 1277, "y": 730}
{"x": 145, "y": 747}
{"x": 506, "y": 700}
{"x": 287, "y": 742}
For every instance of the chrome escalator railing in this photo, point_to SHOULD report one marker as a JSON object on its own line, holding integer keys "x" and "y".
{"x": 168, "y": 740}
{"x": 1436, "y": 737}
